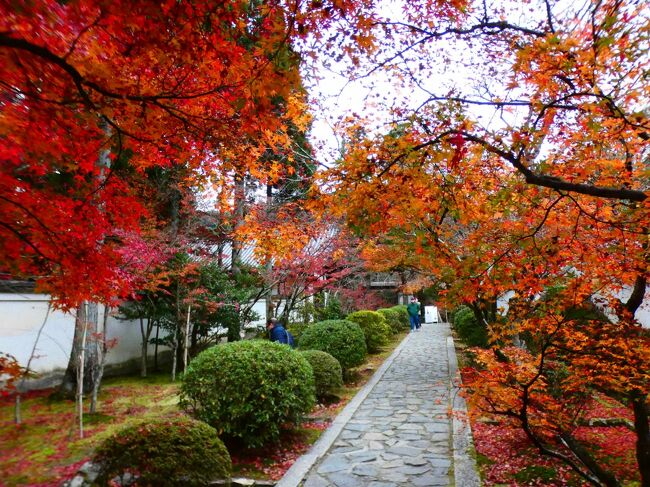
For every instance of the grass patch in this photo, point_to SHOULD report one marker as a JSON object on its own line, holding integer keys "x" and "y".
{"x": 96, "y": 418}
{"x": 535, "y": 473}
{"x": 46, "y": 448}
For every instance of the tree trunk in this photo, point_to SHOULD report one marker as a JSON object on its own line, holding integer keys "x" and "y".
{"x": 102, "y": 362}
{"x": 155, "y": 350}
{"x": 174, "y": 355}
{"x": 186, "y": 338}
{"x": 234, "y": 330}
{"x": 81, "y": 371}
{"x": 83, "y": 322}
{"x": 269, "y": 260}
{"x": 144, "y": 333}
{"x": 604, "y": 476}
{"x": 240, "y": 201}
{"x": 194, "y": 341}
{"x": 642, "y": 429}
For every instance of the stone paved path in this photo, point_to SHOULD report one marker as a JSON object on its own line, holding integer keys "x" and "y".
{"x": 400, "y": 435}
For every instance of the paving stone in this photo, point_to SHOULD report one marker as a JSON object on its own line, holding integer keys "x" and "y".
{"x": 382, "y": 484}
{"x": 437, "y": 427}
{"x": 405, "y": 450}
{"x": 362, "y": 456}
{"x": 374, "y": 436}
{"x": 440, "y": 462}
{"x": 390, "y": 456}
{"x": 410, "y": 437}
{"x": 376, "y": 445}
{"x": 346, "y": 449}
{"x": 442, "y": 471}
{"x": 344, "y": 480}
{"x": 349, "y": 435}
{"x": 398, "y": 462}
{"x": 380, "y": 413}
{"x": 333, "y": 463}
{"x": 316, "y": 480}
{"x": 416, "y": 462}
{"x": 366, "y": 470}
{"x": 394, "y": 476}
{"x": 439, "y": 437}
{"x": 410, "y": 470}
{"x": 420, "y": 443}
{"x": 430, "y": 480}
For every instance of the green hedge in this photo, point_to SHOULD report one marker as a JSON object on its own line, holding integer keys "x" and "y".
{"x": 297, "y": 329}
{"x": 342, "y": 339}
{"x": 403, "y": 315}
{"x": 248, "y": 389}
{"x": 165, "y": 452}
{"x": 470, "y": 331}
{"x": 392, "y": 317}
{"x": 328, "y": 374}
{"x": 375, "y": 329}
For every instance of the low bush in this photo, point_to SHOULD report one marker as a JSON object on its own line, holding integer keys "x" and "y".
{"x": 328, "y": 374}
{"x": 403, "y": 315}
{"x": 375, "y": 329}
{"x": 297, "y": 329}
{"x": 248, "y": 389}
{"x": 342, "y": 339}
{"x": 392, "y": 317}
{"x": 166, "y": 452}
{"x": 470, "y": 331}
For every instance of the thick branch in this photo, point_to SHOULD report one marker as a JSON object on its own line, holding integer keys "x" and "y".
{"x": 637, "y": 294}
{"x": 555, "y": 182}
{"x": 81, "y": 82}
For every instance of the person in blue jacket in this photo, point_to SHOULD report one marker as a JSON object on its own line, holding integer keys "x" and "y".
{"x": 278, "y": 333}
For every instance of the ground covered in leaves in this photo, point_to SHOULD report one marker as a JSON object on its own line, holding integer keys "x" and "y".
{"x": 506, "y": 457}
{"x": 45, "y": 448}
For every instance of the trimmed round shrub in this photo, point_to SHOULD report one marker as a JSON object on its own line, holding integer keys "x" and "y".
{"x": 403, "y": 315}
{"x": 328, "y": 374}
{"x": 392, "y": 317}
{"x": 342, "y": 339}
{"x": 165, "y": 452}
{"x": 248, "y": 389}
{"x": 374, "y": 326}
{"x": 470, "y": 331}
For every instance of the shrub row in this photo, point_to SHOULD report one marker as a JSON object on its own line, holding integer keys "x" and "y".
{"x": 342, "y": 339}
{"x": 244, "y": 391}
{"x": 470, "y": 331}
{"x": 375, "y": 329}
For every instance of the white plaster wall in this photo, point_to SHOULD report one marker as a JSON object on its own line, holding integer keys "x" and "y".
{"x": 642, "y": 314}
{"x": 260, "y": 309}
{"x": 22, "y": 315}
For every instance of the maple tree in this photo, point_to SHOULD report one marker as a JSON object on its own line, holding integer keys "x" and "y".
{"x": 149, "y": 86}
{"x": 528, "y": 178}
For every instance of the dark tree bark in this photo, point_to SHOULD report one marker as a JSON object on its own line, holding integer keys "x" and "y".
{"x": 642, "y": 429}
{"x": 84, "y": 321}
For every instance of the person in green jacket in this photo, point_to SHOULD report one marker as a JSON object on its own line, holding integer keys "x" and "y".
{"x": 413, "y": 309}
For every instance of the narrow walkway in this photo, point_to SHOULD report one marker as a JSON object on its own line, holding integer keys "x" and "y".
{"x": 401, "y": 434}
